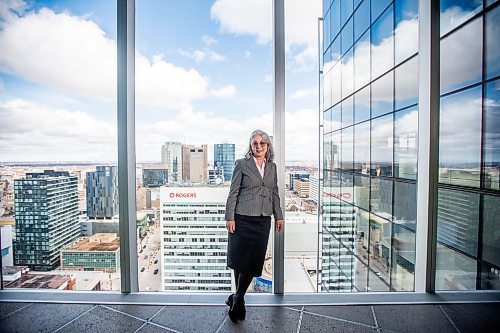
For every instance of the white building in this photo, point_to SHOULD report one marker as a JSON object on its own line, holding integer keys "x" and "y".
{"x": 194, "y": 238}
{"x": 7, "y": 256}
{"x": 314, "y": 187}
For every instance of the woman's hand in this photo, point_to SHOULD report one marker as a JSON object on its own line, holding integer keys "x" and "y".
{"x": 279, "y": 225}
{"x": 230, "y": 226}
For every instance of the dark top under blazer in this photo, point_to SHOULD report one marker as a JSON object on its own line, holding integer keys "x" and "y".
{"x": 252, "y": 195}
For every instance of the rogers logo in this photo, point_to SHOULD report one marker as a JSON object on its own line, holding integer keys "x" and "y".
{"x": 337, "y": 195}
{"x": 182, "y": 195}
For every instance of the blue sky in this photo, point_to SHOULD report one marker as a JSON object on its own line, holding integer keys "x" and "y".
{"x": 203, "y": 76}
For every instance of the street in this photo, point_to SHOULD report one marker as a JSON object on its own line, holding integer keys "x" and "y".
{"x": 148, "y": 253}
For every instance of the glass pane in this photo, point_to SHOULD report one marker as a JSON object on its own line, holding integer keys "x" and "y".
{"x": 345, "y": 10}
{"x": 455, "y": 12}
{"x": 347, "y": 111}
{"x": 492, "y": 46}
{"x": 326, "y": 31}
{"x": 380, "y": 253}
{"x": 491, "y": 229}
{"x": 383, "y": 95}
{"x": 381, "y": 198}
{"x": 378, "y": 7}
{"x": 406, "y": 30}
{"x": 335, "y": 18}
{"x": 460, "y": 138}
{"x": 347, "y": 34}
{"x": 347, "y": 74}
{"x": 491, "y": 136}
{"x": 347, "y": 148}
{"x": 458, "y": 219}
{"x": 327, "y": 89}
{"x": 336, "y": 147}
{"x": 336, "y": 83}
{"x": 406, "y": 84}
{"x": 335, "y": 50}
{"x": 454, "y": 271}
{"x": 461, "y": 60}
{"x": 327, "y": 152}
{"x": 362, "y": 191}
{"x": 362, "y": 61}
{"x": 381, "y": 150}
{"x": 405, "y": 204}
{"x": 327, "y": 121}
{"x": 58, "y": 146}
{"x": 361, "y": 250}
{"x": 336, "y": 117}
{"x": 403, "y": 259}
{"x": 362, "y": 148}
{"x": 406, "y": 143}
{"x": 361, "y": 19}
{"x": 347, "y": 183}
{"x": 382, "y": 43}
{"x": 362, "y": 105}
{"x": 490, "y": 277}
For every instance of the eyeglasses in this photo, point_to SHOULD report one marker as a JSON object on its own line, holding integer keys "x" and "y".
{"x": 256, "y": 144}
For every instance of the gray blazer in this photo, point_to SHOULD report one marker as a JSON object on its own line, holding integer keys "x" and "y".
{"x": 252, "y": 195}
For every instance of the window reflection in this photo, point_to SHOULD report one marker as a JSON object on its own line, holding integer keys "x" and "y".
{"x": 336, "y": 117}
{"x": 347, "y": 148}
{"x": 491, "y": 229}
{"x": 454, "y": 271}
{"x": 492, "y": 46}
{"x": 491, "y": 138}
{"x": 327, "y": 121}
{"x": 405, "y": 143}
{"x": 362, "y": 147}
{"x": 461, "y": 60}
{"x": 335, "y": 50}
{"x": 347, "y": 111}
{"x": 335, "y": 18}
{"x": 328, "y": 153}
{"x": 362, "y": 105}
{"x": 405, "y": 204}
{"x": 458, "y": 219}
{"x": 383, "y": 95}
{"x": 382, "y": 43}
{"x": 460, "y": 138}
{"x": 347, "y": 182}
{"x": 380, "y": 253}
{"x": 361, "y": 19}
{"x": 381, "y": 198}
{"x": 381, "y": 146}
{"x": 378, "y": 7}
{"x": 406, "y": 83}
{"x": 455, "y": 12}
{"x": 362, "y": 191}
{"x": 347, "y": 33}
{"x": 362, "y": 61}
{"x": 403, "y": 258}
{"x": 347, "y": 74}
{"x": 336, "y": 148}
{"x": 326, "y": 31}
{"x": 406, "y": 29}
{"x": 345, "y": 10}
{"x": 327, "y": 89}
{"x": 336, "y": 83}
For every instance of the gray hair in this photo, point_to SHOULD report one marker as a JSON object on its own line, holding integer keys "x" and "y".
{"x": 270, "y": 151}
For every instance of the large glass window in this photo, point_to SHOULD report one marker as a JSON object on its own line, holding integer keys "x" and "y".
{"x": 492, "y": 30}
{"x": 405, "y": 143}
{"x": 406, "y": 29}
{"x": 383, "y": 95}
{"x": 382, "y": 42}
{"x": 491, "y": 136}
{"x": 381, "y": 146}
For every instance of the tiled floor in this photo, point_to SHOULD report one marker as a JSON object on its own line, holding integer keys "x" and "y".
{"x": 45, "y": 317}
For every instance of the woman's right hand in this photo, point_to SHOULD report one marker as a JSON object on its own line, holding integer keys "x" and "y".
{"x": 230, "y": 226}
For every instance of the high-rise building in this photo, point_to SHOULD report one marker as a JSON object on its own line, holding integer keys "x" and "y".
{"x": 195, "y": 163}
{"x": 224, "y": 156}
{"x": 194, "y": 238}
{"x": 154, "y": 177}
{"x": 216, "y": 175}
{"x": 171, "y": 156}
{"x": 102, "y": 192}
{"x": 297, "y": 175}
{"x": 46, "y": 206}
{"x": 374, "y": 66}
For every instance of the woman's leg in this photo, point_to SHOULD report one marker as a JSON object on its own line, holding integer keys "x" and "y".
{"x": 244, "y": 280}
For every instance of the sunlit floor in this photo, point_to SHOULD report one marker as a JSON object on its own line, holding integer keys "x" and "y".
{"x": 44, "y": 317}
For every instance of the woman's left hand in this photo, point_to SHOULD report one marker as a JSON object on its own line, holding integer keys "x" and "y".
{"x": 279, "y": 225}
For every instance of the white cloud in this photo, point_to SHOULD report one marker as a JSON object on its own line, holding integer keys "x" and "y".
{"x": 208, "y": 40}
{"x": 305, "y": 93}
{"x": 301, "y": 135}
{"x": 30, "y": 131}
{"x": 200, "y": 56}
{"x": 74, "y": 55}
{"x": 10, "y": 9}
{"x": 225, "y": 92}
{"x": 268, "y": 78}
{"x": 197, "y": 55}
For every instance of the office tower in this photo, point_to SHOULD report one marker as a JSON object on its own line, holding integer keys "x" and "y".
{"x": 102, "y": 192}
{"x": 297, "y": 175}
{"x": 224, "y": 156}
{"x": 194, "y": 238}
{"x": 154, "y": 177}
{"x": 171, "y": 156}
{"x": 195, "y": 163}
{"x": 372, "y": 77}
{"x": 216, "y": 175}
{"x": 46, "y": 206}
{"x": 314, "y": 188}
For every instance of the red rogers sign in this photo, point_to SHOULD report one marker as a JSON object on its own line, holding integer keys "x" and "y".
{"x": 337, "y": 195}
{"x": 182, "y": 195}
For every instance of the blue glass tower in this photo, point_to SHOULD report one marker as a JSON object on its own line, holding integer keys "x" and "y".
{"x": 224, "y": 155}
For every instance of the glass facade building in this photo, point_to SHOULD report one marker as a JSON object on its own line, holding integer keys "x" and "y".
{"x": 46, "y": 206}
{"x": 154, "y": 177}
{"x": 370, "y": 78}
{"x": 224, "y": 155}
{"x": 102, "y": 192}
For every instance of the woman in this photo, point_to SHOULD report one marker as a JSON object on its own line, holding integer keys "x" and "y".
{"x": 253, "y": 198}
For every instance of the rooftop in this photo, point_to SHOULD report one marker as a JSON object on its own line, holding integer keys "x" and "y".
{"x": 97, "y": 242}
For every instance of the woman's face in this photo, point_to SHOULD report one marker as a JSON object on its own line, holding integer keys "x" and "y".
{"x": 259, "y": 147}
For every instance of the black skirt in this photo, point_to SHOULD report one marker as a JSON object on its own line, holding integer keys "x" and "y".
{"x": 246, "y": 250}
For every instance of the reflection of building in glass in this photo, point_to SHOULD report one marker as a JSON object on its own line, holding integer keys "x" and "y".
{"x": 154, "y": 177}
{"x": 194, "y": 238}
{"x": 171, "y": 156}
{"x": 224, "y": 156}
{"x": 195, "y": 163}
{"x": 101, "y": 252}
{"x": 46, "y": 207}
{"x": 102, "y": 192}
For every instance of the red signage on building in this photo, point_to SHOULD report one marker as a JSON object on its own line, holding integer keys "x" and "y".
{"x": 337, "y": 195}
{"x": 182, "y": 195}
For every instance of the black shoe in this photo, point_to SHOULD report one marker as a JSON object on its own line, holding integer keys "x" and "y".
{"x": 235, "y": 309}
{"x": 229, "y": 300}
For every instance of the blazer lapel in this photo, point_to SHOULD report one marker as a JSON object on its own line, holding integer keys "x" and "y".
{"x": 251, "y": 165}
{"x": 267, "y": 170}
